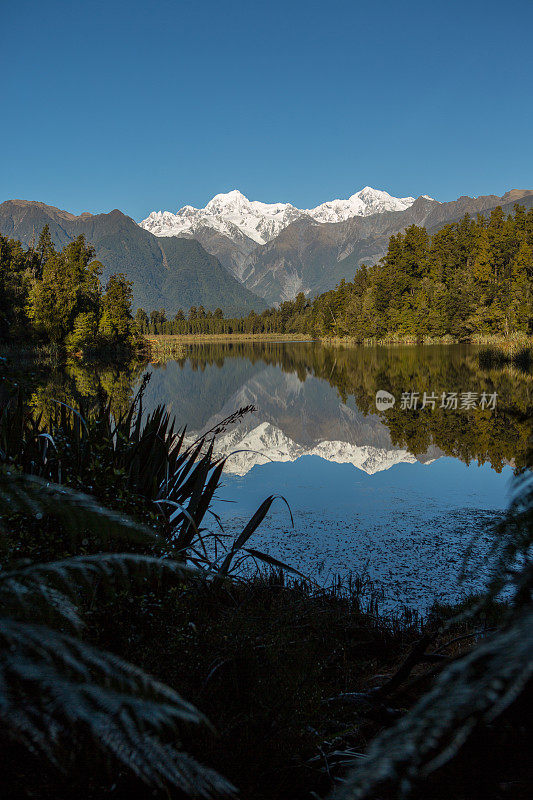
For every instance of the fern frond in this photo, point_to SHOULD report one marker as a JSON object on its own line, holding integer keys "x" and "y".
{"x": 45, "y": 591}
{"x": 68, "y": 572}
{"x": 39, "y": 602}
{"x": 53, "y": 686}
{"x": 470, "y": 692}
{"x": 28, "y": 494}
{"x": 512, "y": 550}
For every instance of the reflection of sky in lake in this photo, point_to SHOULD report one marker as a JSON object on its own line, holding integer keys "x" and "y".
{"x": 359, "y": 502}
{"x": 408, "y": 526}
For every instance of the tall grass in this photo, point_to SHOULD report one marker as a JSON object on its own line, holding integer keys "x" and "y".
{"x": 134, "y": 458}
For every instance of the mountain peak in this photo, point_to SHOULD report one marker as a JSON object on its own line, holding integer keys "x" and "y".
{"x": 234, "y": 194}
{"x": 369, "y": 191}
{"x": 370, "y": 195}
{"x": 363, "y": 203}
{"x": 234, "y": 215}
{"x": 230, "y": 213}
{"x": 226, "y": 202}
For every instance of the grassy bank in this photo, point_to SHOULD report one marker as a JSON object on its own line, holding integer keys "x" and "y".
{"x": 185, "y": 338}
{"x": 406, "y": 340}
{"x": 160, "y": 347}
{"x": 505, "y": 343}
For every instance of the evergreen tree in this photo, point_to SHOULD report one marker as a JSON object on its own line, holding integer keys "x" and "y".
{"x": 69, "y": 286}
{"x": 116, "y": 322}
{"x": 482, "y": 268}
{"x": 519, "y": 311}
{"x": 141, "y": 320}
{"x": 45, "y": 245}
{"x": 52, "y": 300}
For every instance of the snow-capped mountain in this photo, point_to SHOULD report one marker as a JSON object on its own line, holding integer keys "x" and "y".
{"x": 266, "y": 442}
{"x": 295, "y": 419}
{"x": 230, "y": 214}
{"x": 361, "y": 204}
{"x": 233, "y": 215}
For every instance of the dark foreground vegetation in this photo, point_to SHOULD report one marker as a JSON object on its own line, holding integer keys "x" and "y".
{"x": 106, "y": 562}
{"x": 473, "y": 277}
{"x": 55, "y": 299}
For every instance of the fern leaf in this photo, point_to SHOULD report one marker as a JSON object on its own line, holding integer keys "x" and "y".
{"x": 28, "y": 494}
{"x": 472, "y": 691}
{"x": 73, "y": 688}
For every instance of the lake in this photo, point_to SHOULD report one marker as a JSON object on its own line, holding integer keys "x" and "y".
{"x": 396, "y": 494}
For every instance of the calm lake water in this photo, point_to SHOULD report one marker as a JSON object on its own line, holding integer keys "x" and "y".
{"x": 397, "y": 495}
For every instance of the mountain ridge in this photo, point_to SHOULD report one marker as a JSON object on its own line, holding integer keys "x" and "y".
{"x": 233, "y": 212}
{"x": 209, "y": 266}
{"x": 168, "y": 273}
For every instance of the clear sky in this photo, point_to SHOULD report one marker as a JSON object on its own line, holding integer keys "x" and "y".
{"x": 152, "y": 105}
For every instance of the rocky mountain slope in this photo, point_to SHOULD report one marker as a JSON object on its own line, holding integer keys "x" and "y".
{"x": 167, "y": 273}
{"x": 312, "y": 257}
{"x": 278, "y": 250}
{"x": 233, "y": 227}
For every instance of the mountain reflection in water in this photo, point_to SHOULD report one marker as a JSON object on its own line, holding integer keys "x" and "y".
{"x": 399, "y": 493}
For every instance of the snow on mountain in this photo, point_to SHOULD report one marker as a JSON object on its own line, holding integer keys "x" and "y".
{"x": 226, "y": 213}
{"x": 266, "y": 443}
{"x": 362, "y": 204}
{"x": 233, "y": 215}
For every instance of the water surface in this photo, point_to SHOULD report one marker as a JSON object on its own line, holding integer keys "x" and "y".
{"x": 398, "y": 494}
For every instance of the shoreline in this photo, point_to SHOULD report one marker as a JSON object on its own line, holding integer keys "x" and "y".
{"x": 191, "y": 338}
{"x": 494, "y": 340}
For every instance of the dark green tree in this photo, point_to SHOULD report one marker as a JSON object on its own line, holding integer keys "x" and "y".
{"x": 116, "y": 323}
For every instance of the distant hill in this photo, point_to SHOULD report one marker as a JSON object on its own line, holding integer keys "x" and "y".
{"x": 169, "y": 273}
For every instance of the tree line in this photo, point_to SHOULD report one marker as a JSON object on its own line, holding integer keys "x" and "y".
{"x": 56, "y": 297}
{"x": 471, "y": 277}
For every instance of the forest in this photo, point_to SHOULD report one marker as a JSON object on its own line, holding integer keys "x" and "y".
{"x": 472, "y": 277}
{"x": 56, "y": 298}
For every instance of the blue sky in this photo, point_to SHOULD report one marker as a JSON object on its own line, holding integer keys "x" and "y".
{"x": 143, "y": 106}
